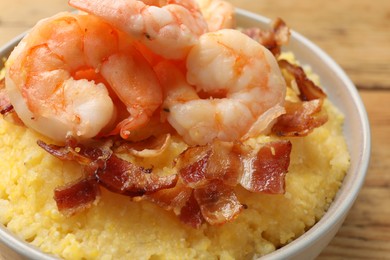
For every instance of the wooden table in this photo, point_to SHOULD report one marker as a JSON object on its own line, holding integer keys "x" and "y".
{"x": 356, "y": 33}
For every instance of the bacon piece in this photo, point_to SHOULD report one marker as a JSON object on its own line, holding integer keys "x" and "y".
{"x": 124, "y": 177}
{"x": 76, "y": 197}
{"x": 265, "y": 171}
{"x": 308, "y": 90}
{"x": 225, "y": 162}
{"x": 192, "y": 165}
{"x": 191, "y": 214}
{"x": 218, "y": 202}
{"x": 271, "y": 39}
{"x": 301, "y": 118}
{"x": 218, "y": 160}
{"x": 150, "y": 147}
{"x": 171, "y": 199}
{"x": 73, "y": 151}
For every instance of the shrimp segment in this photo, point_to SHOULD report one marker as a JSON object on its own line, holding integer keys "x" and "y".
{"x": 243, "y": 86}
{"x": 218, "y": 14}
{"x": 169, "y": 28}
{"x": 63, "y": 76}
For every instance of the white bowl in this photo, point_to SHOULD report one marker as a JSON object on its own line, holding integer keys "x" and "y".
{"x": 341, "y": 92}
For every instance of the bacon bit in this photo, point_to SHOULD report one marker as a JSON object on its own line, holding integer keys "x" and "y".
{"x": 123, "y": 177}
{"x": 282, "y": 32}
{"x": 171, "y": 199}
{"x": 218, "y": 160}
{"x": 225, "y": 162}
{"x": 191, "y": 214}
{"x": 301, "y": 118}
{"x": 266, "y": 171}
{"x": 218, "y": 202}
{"x": 150, "y": 147}
{"x": 76, "y": 152}
{"x": 192, "y": 165}
{"x": 271, "y": 39}
{"x": 308, "y": 90}
{"x": 76, "y": 197}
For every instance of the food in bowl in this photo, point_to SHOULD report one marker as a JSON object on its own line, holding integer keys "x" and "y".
{"x": 189, "y": 194}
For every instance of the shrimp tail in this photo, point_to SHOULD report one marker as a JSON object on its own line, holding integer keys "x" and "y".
{"x": 126, "y": 126}
{"x": 101, "y": 8}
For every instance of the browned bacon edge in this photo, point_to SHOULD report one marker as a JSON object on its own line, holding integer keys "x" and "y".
{"x": 302, "y": 117}
{"x": 308, "y": 90}
{"x": 272, "y": 39}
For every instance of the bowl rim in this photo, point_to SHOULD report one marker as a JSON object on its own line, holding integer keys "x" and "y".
{"x": 334, "y": 214}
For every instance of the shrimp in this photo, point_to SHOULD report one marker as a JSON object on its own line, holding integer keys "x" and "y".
{"x": 75, "y": 74}
{"x": 218, "y": 14}
{"x": 168, "y": 27}
{"x": 240, "y": 90}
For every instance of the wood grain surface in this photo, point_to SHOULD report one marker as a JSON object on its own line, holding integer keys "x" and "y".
{"x": 356, "y": 33}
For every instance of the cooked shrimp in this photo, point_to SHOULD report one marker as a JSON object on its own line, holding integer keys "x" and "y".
{"x": 241, "y": 86}
{"x": 71, "y": 72}
{"x": 169, "y": 28}
{"x": 218, "y": 14}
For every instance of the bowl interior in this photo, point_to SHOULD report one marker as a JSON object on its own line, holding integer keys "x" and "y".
{"x": 341, "y": 92}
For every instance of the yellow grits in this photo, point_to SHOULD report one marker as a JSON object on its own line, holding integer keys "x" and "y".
{"x": 117, "y": 228}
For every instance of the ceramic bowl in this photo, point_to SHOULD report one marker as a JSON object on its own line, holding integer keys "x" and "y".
{"x": 341, "y": 92}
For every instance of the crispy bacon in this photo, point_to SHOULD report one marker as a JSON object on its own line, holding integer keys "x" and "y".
{"x": 76, "y": 197}
{"x": 266, "y": 171}
{"x": 192, "y": 165}
{"x": 124, "y": 177}
{"x": 218, "y": 202}
{"x": 225, "y": 162}
{"x": 75, "y": 152}
{"x": 171, "y": 199}
{"x": 214, "y": 170}
{"x": 191, "y": 214}
{"x": 308, "y": 90}
{"x": 150, "y": 147}
{"x": 271, "y": 39}
{"x": 218, "y": 160}
{"x": 301, "y": 118}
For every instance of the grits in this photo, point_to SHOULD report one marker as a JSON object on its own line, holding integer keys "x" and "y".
{"x": 117, "y": 228}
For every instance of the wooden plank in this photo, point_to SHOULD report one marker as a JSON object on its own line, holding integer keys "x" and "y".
{"x": 356, "y": 33}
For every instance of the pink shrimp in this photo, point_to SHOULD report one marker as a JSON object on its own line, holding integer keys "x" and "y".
{"x": 170, "y": 28}
{"x": 75, "y": 74}
{"x": 241, "y": 84}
